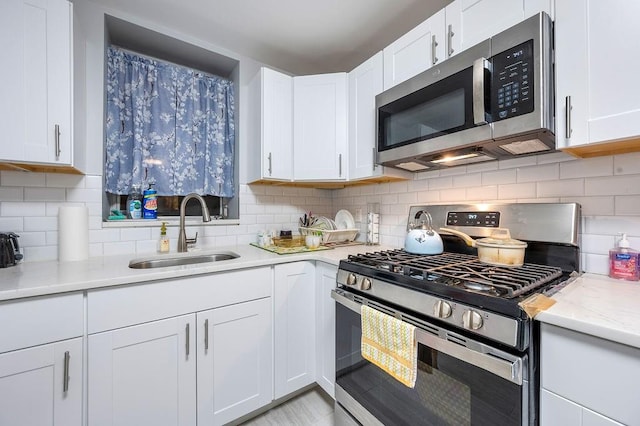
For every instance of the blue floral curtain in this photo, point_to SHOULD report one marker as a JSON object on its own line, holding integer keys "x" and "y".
{"x": 168, "y": 125}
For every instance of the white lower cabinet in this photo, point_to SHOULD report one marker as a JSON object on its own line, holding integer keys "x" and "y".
{"x": 558, "y": 411}
{"x": 42, "y": 385}
{"x": 294, "y": 327}
{"x": 181, "y": 352}
{"x": 586, "y": 380}
{"x": 235, "y": 365}
{"x": 144, "y": 374}
{"x": 326, "y": 327}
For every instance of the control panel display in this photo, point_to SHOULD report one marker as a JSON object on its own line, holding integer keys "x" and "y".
{"x": 482, "y": 219}
{"x": 512, "y": 82}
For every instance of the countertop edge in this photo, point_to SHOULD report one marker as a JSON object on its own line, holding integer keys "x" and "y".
{"x": 598, "y": 306}
{"x": 26, "y": 279}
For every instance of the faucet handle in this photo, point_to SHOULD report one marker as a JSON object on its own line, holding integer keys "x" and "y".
{"x": 192, "y": 241}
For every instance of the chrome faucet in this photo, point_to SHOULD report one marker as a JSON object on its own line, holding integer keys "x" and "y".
{"x": 182, "y": 236}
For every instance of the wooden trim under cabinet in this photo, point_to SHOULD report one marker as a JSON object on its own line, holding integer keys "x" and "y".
{"x": 41, "y": 168}
{"x": 330, "y": 185}
{"x": 620, "y": 146}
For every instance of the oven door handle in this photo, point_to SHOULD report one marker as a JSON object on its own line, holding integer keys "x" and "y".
{"x": 507, "y": 369}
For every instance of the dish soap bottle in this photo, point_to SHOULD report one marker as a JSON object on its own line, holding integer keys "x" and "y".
{"x": 150, "y": 203}
{"x": 163, "y": 243}
{"x": 134, "y": 203}
{"x": 623, "y": 261}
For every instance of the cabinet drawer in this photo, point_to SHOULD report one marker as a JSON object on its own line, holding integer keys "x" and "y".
{"x": 123, "y": 306}
{"x": 36, "y": 321}
{"x": 595, "y": 373}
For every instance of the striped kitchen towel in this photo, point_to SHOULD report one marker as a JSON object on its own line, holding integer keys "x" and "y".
{"x": 390, "y": 344}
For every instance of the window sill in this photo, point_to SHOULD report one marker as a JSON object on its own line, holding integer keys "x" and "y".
{"x": 171, "y": 221}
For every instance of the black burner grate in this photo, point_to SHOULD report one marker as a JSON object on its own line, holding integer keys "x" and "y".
{"x": 462, "y": 271}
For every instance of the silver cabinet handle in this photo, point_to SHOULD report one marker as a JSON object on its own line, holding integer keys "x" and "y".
{"x": 56, "y": 134}
{"x": 375, "y": 165}
{"x": 187, "y": 338}
{"x": 340, "y": 165}
{"x": 65, "y": 374}
{"x": 567, "y": 116}
{"x": 206, "y": 335}
{"x": 434, "y": 44}
{"x": 479, "y": 67}
{"x": 450, "y": 35}
{"x": 269, "y": 157}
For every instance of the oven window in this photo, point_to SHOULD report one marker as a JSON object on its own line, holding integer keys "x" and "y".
{"x": 448, "y": 391}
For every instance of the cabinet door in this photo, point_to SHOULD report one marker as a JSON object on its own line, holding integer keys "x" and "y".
{"x": 271, "y": 126}
{"x": 365, "y": 82}
{"x": 326, "y": 327}
{"x": 144, "y": 374}
{"x": 598, "y": 100}
{"x": 469, "y": 22}
{"x": 416, "y": 51}
{"x": 235, "y": 368}
{"x": 320, "y": 127}
{"x": 42, "y": 385}
{"x": 558, "y": 411}
{"x": 36, "y": 88}
{"x": 294, "y": 327}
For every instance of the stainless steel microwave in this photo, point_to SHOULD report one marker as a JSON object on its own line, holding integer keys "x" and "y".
{"x": 494, "y": 100}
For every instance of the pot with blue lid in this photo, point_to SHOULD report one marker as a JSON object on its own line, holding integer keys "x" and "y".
{"x": 421, "y": 238}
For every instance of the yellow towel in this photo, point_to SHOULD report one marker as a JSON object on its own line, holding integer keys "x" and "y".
{"x": 390, "y": 344}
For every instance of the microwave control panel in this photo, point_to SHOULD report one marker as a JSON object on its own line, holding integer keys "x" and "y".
{"x": 512, "y": 82}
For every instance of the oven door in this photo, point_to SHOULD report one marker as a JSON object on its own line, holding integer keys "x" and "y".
{"x": 459, "y": 381}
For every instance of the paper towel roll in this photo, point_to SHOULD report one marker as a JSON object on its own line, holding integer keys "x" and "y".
{"x": 73, "y": 233}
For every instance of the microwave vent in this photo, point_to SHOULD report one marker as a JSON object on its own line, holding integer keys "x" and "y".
{"x": 525, "y": 147}
{"x": 412, "y": 166}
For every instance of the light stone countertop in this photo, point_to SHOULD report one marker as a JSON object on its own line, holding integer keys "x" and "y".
{"x": 46, "y": 278}
{"x": 599, "y": 306}
{"x": 592, "y": 304}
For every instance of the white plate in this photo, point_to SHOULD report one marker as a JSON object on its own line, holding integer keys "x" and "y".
{"x": 344, "y": 220}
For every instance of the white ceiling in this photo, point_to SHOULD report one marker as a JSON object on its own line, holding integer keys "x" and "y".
{"x": 298, "y": 36}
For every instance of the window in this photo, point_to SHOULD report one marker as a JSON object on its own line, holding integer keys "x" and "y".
{"x": 168, "y": 124}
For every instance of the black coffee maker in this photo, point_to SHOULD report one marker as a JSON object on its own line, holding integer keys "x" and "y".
{"x": 9, "y": 249}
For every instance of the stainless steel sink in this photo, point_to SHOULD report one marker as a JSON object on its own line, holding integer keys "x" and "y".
{"x": 182, "y": 260}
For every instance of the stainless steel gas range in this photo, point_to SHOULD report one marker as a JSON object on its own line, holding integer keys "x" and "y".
{"x": 477, "y": 346}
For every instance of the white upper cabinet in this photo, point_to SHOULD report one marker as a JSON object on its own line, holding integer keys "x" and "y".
{"x": 596, "y": 71}
{"x": 416, "y": 51}
{"x": 271, "y": 126}
{"x": 469, "y": 22}
{"x": 36, "y": 107}
{"x": 365, "y": 82}
{"x": 320, "y": 127}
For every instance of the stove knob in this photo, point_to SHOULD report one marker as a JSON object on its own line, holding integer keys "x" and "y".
{"x": 365, "y": 284}
{"x": 471, "y": 320}
{"x": 352, "y": 279}
{"x": 442, "y": 309}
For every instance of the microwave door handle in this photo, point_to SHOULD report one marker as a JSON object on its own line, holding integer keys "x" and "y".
{"x": 479, "y": 113}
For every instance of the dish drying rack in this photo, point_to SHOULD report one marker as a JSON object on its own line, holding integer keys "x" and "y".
{"x": 331, "y": 235}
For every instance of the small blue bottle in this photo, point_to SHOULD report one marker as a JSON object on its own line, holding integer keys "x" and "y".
{"x": 150, "y": 203}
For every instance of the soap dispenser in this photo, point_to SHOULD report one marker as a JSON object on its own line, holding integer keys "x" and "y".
{"x": 623, "y": 261}
{"x": 163, "y": 243}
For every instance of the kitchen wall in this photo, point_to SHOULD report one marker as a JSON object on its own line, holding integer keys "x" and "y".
{"x": 608, "y": 188}
{"x": 29, "y": 206}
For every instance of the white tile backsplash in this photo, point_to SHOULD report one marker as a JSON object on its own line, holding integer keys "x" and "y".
{"x": 608, "y": 188}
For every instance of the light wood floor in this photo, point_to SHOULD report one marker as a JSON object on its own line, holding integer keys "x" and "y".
{"x": 313, "y": 408}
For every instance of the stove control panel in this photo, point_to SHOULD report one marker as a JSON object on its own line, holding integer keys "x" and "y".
{"x": 484, "y": 219}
